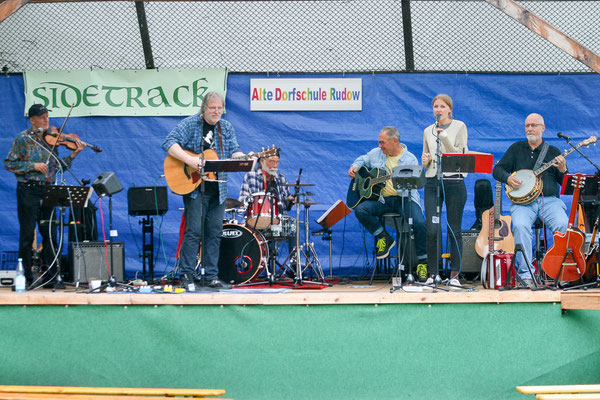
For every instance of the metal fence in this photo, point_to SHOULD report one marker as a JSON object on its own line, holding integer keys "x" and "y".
{"x": 293, "y": 36}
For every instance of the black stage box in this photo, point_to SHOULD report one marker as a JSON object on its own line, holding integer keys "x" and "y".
{"x": 471, "y": 262}
{"x": 89, "y": 261}
{"x": 147, "y": 200}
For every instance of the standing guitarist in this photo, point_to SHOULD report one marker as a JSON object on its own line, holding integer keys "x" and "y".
{"x": 389, "y": 154}
{"x": 530, "y": 154}
{"x": 205, "y": 130}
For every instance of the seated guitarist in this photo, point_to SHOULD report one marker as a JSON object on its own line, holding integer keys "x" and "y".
{"x": 548, "y": 207}
{"x": 205, "y": 130}
{"x": 388, "y": 155}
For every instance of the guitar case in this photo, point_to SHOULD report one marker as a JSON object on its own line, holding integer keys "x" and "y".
{"x": 484, "y": 200}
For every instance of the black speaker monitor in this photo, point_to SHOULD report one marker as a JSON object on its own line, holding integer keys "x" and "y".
{"x": 107, "y": 184}
{"x": 147, "y": 200}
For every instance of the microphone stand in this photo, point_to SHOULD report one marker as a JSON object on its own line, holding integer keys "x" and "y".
{"x": 568, "y": 139}
{"x": 438, "y": 211}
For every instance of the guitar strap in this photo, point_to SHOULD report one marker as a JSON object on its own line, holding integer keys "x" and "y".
{"x": 539, "y": 160}
{"x": 220, "y": 138}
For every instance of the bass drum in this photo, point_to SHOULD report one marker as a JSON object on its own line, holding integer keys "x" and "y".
{"x": 243, "y": 254}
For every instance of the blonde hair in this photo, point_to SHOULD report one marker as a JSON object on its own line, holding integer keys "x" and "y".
{"x": 446, "y": 99}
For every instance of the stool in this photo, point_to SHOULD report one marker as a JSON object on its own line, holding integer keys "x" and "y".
{"x": 393, "y": 221}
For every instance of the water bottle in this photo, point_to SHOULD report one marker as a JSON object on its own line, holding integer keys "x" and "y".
{"x": 20, "y": 278}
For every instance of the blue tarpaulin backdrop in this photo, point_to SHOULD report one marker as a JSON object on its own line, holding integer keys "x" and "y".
{"x": 323, "y": 144}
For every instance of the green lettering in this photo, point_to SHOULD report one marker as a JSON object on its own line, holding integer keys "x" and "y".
{"x": 196, "y": 89}
{"x": 109, "y": 90}
{"x": 176, "y": 96}
{"x": 64, "y": 92}
{"x": 160, "y": 95}
{"x": 87, "y": 95}
{"x": 44, "y": 99}
{"x": 130, "y": 98}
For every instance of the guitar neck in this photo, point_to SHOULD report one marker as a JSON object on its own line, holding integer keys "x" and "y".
{"x": 375, "y": 181}
{"x": 544, "y": 167}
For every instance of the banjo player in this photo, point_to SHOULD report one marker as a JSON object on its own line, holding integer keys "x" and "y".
{"x": 530, "y": 154}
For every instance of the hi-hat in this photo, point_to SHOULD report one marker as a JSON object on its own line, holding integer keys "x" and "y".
{"x": 299, "y": 184}
{"x": 308, "y": 203}
{"x": 232, "y": 203}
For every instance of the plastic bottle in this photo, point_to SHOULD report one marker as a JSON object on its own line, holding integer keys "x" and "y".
{"x": 20, "y": 278}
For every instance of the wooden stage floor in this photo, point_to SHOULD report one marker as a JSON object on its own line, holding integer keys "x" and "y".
{"x": 355, "y": 292}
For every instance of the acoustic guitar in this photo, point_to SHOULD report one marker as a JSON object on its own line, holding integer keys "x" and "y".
{"x": 565, "y": 260}
{"x": 366, "y": 185}
{"x": 495, "y": 235}
{"x": 182, "y": 179}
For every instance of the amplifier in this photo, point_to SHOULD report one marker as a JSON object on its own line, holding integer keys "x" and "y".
{"x": 7, "y": 277}
{"x": 88, "y": 261}
{"x": 147, "y": 200}
{"x": 471, "y": 262}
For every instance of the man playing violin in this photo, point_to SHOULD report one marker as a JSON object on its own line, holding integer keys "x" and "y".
{"x": 205, "y": 130}
{"x": 35, "y": 163}
{"x": 548, "y": 207}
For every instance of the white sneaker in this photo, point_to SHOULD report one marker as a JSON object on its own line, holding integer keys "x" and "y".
{"x": 454, "y": 282}
{"x": 429, "y": 281}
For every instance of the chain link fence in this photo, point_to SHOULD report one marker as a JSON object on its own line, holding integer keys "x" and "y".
{"x": 293, "y": 36}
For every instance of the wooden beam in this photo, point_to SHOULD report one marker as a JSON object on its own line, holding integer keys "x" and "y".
{"x": 548, "y": 389}
{"x": 548, "y": 32}
{"x": 115, "y": 391}
{"x": 8, "y": 7}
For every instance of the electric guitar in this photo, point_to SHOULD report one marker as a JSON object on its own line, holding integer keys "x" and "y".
{"x": 182, "y": 179}
{"x": 496, "y": 234}
{"x": 366, "y": 185}
{"x": 565, "y": 260}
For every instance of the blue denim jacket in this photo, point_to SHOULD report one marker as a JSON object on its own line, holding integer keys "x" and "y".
{"x": 376, "y": 159}
{"x": 188, "y": 134}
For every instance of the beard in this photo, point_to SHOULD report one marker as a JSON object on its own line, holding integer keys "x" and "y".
{"x": 533, "y": 139}
{"x": 272, "y": 171}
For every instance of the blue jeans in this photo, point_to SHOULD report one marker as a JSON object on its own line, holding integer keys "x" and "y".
{"x": 368, "y": 212}
{"x": 193, "y": 232}
{"x": 551, "y": 210}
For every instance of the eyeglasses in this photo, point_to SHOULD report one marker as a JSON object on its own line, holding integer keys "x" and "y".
{"x": 532, "y": 125}
{"x": 382, "y": 142}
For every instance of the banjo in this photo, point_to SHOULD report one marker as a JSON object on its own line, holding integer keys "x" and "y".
{"x": 531, "y": 186}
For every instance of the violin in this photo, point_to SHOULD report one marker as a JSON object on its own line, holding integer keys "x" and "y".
{"x": 54, "y": 137}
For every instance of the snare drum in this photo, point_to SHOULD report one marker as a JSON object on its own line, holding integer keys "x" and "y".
{"x": 243, "y": 254}
{"x": 263, "y": 211}
{"x": 286, "y": 228}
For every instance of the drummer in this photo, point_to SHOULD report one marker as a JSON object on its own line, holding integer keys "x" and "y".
{"x": 267, "y": 179}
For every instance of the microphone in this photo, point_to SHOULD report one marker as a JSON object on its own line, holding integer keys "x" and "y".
{"x": 563, "y": 136}
{"x": 437, "y": 119}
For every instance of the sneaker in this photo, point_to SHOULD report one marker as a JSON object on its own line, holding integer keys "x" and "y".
{"x": 187, "y": 282}
{"x": 429, "y": 281}
{"x": 219, "y": 284}
{"x": 422, "y": 272}
{"x": 384, "y": 245}
{"x": 455, "y": 282}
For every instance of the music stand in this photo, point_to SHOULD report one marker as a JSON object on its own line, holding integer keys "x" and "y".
{"x": 332, "y": 216}
{"x": 409, "y": 178}
{"x": 61, "y": 197}
{"x": 460, "y": 163}
{"x": 482, "y": 163}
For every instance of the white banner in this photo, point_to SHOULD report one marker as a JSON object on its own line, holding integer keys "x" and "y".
{"x": 321, "y": 94}
{"x": 122, "y": 92}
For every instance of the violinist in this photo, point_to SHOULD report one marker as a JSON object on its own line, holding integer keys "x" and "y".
{"x": 35, "y": 163}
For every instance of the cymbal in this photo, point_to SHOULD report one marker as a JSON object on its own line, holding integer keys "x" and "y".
{"x": 300, "y": 184}
{"x": 232, "y": 203}
{"x": 308, "y": 203}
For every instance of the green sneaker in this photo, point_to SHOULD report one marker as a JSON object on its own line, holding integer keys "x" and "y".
{"x": 422, "y": 272}
{"x": 384, "y": 245}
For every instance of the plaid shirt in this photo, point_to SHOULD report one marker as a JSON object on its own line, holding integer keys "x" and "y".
{"x": 25, "y": 151}
{"x": 254, "y": 182}
{"x": 188, "y": 134}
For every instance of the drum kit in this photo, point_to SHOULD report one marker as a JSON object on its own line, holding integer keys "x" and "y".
{"x": 252, "y": 233}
